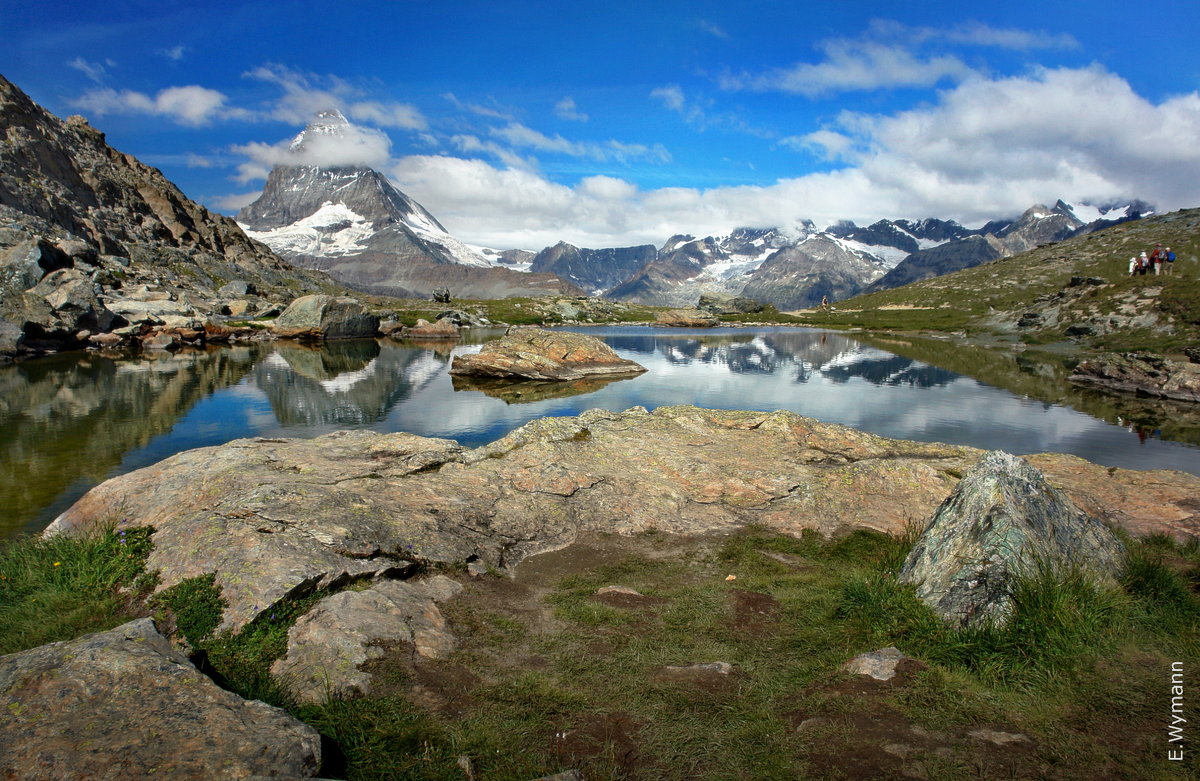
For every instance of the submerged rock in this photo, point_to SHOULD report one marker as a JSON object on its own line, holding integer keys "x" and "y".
{"x": 124, "y": 704}
{"x": 1004, "y": 521}
{"x": 539, "y": 354}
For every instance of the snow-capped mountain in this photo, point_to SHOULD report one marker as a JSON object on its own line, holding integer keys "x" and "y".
{"x": 353, "y": 223}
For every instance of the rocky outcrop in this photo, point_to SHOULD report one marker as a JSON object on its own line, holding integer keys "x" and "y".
{"x": 276, "y": 517}
{"x": 685, "y": 318}
{"x": 538, "y": 354}
{"x": 1003, "y": 522}
{"x": 717, "y": 304}
{"x": 124, "y": 704}
{"x": 442, "y": 328}
{"x": 329, "y": 644}
{"x": 326, "y": 317}
{"x": 84, "y": 223}
{"x": 1145, "y": 375}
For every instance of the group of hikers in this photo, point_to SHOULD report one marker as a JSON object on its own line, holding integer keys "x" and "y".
{"x": 1160, "y": 261}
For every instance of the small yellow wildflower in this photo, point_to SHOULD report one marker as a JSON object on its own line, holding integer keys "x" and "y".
{"x": 57, "y": 563}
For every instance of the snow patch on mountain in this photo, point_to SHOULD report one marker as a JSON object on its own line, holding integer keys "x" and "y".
{"x": 333, "y": 230}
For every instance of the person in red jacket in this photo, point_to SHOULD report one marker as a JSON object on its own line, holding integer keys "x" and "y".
{"x": 1157, "y": 257}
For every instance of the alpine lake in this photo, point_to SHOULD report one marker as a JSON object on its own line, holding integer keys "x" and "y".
{"x": 73, "y": 420}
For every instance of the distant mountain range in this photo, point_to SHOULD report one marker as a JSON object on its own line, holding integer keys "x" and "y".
{"x": 352, "y": 223}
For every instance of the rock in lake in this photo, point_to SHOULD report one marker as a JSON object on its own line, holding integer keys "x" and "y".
{"x": 124, "y": 704}
{"x": 686, "y": 318}
{"x": 442, "y": 328}
{"x": 1003, "y": 521}
{"x": 539, "y": 354}
{"x": 1145, "y": 375}
{"x": 326, "y": 317}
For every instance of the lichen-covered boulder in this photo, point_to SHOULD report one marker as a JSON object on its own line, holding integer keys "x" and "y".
{"x": 329, "y": 645}
{"x": 539, "y": 354}
{"x": 326, "y": 317}
{"x": 1002, "y": 522}
{"x": 124, "y": 704}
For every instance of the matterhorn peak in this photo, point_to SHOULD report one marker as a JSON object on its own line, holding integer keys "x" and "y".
{"x": 329, "y": 122}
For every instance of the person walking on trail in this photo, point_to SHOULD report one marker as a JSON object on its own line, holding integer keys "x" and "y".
{"x": 1143, "y": 264}
{"x": 1133, "y": 266}
{"x": 1169, "y": 266}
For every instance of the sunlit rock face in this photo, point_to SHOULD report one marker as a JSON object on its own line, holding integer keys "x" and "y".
{"x": 272, "y": 516}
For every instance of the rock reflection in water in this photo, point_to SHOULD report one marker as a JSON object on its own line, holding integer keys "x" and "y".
{"x": 343, "y": 383}
{"x": 67, "y": 421}
{"x": 529, "y": 391}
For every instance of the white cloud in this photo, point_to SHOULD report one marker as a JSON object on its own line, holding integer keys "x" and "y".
{"x": 95, "y": 71}
{"x": 356, "y": 145}
{"x": 889, "y": 55}
{"x": 189, "y": 105}
{"x": 400, "y": 115}
{"x": 520, "y": 136}
{"x": 236, "y": 201}
{"x": 853, "y": 65}
{"x": 985, "y": 149}
{"x": 566, "y": 109}
{"x": 711, "y": 28}
{"x": 175, "y": 53}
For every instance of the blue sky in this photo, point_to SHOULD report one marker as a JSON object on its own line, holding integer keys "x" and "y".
{"x": 610, "y": 123}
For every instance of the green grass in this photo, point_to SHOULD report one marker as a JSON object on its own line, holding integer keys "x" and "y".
{"x": 1079, "y": 668}
{"x": 59, "y": 588}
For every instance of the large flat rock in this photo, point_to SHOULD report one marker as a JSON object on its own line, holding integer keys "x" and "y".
{"x": 539, "y": 354}
{"x": 273, "y": 517}
{"x": 124, "y": 704}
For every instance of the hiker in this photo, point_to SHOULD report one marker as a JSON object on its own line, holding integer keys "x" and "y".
{"x": 1156, "y": 258}
{"x": 1133, "y": 264}
{"x": 825, "y": 303}
{"x": 1143, "y": 264}
{"x": 1169, "y": 266}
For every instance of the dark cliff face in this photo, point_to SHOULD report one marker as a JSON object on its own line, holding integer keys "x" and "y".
{"x": 936, "y": 261}
{"x": 593, "y": 269}
{"x": 800, "y": 276}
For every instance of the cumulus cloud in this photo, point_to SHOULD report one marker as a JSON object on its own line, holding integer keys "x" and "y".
{"x": 986, "y": 148}
{"x": 890, "y": 55}
{"x": 306, "y": 94}
{"x": 190, "y": 105}
{"x": 352, "y": 145}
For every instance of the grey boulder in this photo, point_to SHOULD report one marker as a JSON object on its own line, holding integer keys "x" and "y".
{"x": 124, "y": 704}
{"x": 1003, "y": 521}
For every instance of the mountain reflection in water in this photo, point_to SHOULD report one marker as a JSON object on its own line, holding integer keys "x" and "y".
{"x": 68, "y": 422}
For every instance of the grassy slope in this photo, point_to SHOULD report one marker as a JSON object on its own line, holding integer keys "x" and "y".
{"x": 549, "y": 677}
{"x": 977, "y": 301}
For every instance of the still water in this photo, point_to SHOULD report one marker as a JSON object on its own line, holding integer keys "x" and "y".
{"x": 68, "y": 422}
